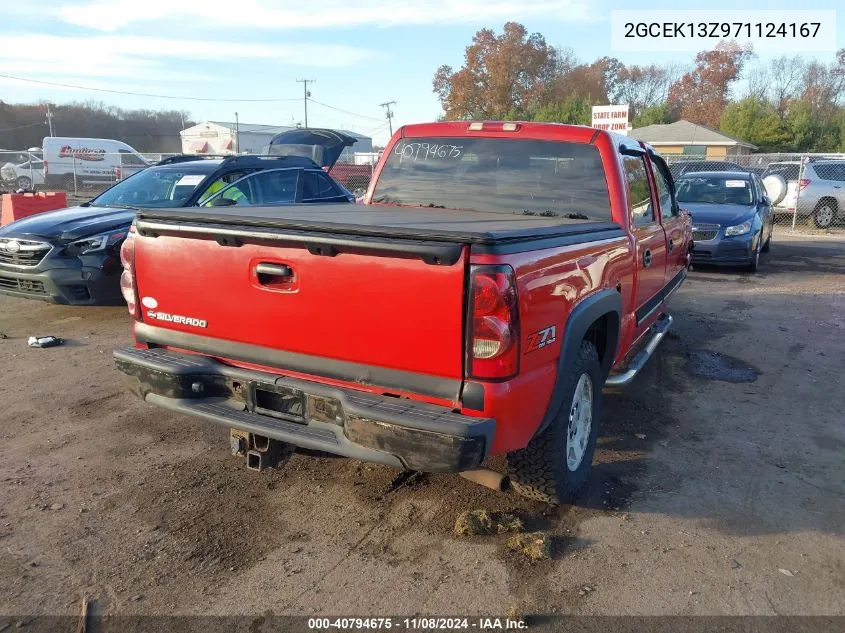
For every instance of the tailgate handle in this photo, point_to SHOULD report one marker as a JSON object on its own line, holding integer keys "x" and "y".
{"x": 269, "y": 273}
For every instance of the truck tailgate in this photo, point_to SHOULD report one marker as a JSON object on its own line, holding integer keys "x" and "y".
{"x": 379, "y": 314}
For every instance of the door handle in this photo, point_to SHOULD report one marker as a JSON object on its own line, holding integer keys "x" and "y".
{"x": 647, "y": 258}
{"x": 272, "y": 273}
{"x": 671, "y": 245}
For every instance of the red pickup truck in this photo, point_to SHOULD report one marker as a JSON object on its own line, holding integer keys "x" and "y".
{"x": 497, "y": 277}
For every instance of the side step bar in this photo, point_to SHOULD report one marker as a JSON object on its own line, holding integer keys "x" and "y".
{"x": 659, "y": 330}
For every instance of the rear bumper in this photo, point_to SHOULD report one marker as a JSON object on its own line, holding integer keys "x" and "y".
{"x": 401, "y": 433}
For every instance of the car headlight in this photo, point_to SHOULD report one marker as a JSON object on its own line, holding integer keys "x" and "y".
{"x": 739, "y": 229}
{"x": 97, "y": 243}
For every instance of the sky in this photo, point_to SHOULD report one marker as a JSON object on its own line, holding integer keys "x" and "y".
{"x": 238, "y": 56}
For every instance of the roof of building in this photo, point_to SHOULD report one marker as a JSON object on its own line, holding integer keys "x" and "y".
{"x": 684, "y": 133}
{"x": 272, "y": 129}
{"x": 254, "y": 127}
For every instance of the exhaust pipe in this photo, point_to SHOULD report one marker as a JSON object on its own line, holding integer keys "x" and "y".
{"x": 488, "y": 478}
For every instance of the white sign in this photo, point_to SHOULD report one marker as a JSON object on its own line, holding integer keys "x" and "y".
{"x": 613, "y": 118}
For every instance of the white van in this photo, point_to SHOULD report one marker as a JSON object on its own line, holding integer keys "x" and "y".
{"x": 88, "y": 161}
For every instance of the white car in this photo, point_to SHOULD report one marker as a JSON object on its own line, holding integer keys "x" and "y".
{"x": 26, "y": 175}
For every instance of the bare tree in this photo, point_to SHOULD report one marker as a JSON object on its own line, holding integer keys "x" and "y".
{"x": 641, "y": 86}
{"x": 785, "y": 82}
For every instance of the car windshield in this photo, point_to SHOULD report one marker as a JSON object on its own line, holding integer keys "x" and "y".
{"x": 154, "y": 187}
{"x": 518, "y": 176}
{"x": 714, "y": 190}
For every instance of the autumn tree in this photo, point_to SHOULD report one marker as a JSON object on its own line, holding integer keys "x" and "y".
{"x": 501, "y": 74}
{"x": 701, "y": 95}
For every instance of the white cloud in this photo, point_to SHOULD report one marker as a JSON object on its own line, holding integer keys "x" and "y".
{"x": 112, "y": 15}
{"x": 151, "y": 59}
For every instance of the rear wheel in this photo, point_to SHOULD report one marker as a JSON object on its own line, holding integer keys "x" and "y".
{"x": 825, "y": 213}
{"x": 67, "y": 183}
{"x": 24, "y": 182}
{"x": 556, "y": 463}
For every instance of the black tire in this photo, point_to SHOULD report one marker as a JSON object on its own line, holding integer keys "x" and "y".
{"x": 67, "y": 183}
{"x": 754, "y": 266}
{"x": 540, "y": 470}
{"x": 767, "y": 245}
{"x": 24, "y": 182}
{"x": 825, "y": 213}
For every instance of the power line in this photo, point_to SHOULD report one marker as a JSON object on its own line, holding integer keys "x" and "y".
{"x": 306, "y": 94}
{"x": 386, "y": 105}
{"x": 141, "y": 94}
{"x": 361, "y": 116}
{"x": 378, "y": 128}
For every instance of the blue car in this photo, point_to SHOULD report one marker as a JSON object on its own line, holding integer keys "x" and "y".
{"x": 732, "y": 217}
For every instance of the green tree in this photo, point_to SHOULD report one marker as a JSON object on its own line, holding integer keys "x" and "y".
{"x": 656, "y": 114}
{"x": 574, "y": 109}
{"x": 756, "y": 121}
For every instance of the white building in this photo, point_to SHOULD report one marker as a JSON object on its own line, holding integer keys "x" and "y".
{"x": 224, "y": 137}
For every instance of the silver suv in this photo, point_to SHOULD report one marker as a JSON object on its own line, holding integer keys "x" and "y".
{"x": 818, "y": 194}
{"x": 822, "y": 191}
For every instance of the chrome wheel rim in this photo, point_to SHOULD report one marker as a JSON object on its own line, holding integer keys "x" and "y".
{"x": 580, "y": 422}
{"x": 824, "y": 215}
{"x": 24, "y": 182}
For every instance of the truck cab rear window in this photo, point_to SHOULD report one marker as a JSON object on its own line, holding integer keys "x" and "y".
{"x": 516, "y": 176}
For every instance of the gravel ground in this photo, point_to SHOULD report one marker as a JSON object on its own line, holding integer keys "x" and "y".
{"x": 708, "y": 496}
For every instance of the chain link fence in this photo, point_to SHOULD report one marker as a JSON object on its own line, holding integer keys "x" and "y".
{"x": 82, "y": 176}
{"x": 807, "y": 190}
{"x": 86, "y": 176}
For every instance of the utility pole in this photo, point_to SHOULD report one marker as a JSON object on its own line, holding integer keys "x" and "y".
{"x": 50, "y": 119}
{"x": 306, "y": 94}
{"x": 387, "y": 105}
{"x": 237, "y": 135}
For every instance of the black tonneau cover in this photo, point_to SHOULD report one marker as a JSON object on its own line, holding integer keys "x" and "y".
{"x": 415, "y": 223}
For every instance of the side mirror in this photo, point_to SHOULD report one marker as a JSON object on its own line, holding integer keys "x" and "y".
{"x": 223, "y": 202}
{"x": 767, "y": 201}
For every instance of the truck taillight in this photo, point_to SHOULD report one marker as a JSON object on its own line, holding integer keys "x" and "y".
{"x": 118, "y": 173}
{"x": 44, "y": 163}
{"x": 493, "y": 328}
{"x": 127, "y": 277}
{"x": 802, "y": 184}
{"x": 493, "y": 126}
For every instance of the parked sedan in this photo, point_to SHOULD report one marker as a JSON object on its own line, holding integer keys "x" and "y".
{"x": 731, "y": 215}
{"x": 72, "y": 256}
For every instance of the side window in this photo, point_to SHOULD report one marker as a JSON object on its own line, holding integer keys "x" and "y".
{"x": 276, "y": 186}
{"x": 761, "y": 190}
{"x": 317, "y": 184}
{"x": 830, "y": 171}
{"x": 220, "y": 184}
{"x": 128, "y": 158}
{"x": 668, "y": 205}
{"x": 639, "y": 196}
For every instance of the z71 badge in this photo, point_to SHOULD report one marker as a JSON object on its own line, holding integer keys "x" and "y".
{"x": 539, "y": 340}
{"x": 176, "y": 318}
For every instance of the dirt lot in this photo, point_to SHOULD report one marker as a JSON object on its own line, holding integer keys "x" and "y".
{"x": 709, "y": 497}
